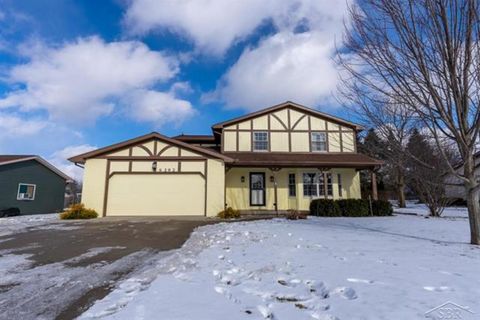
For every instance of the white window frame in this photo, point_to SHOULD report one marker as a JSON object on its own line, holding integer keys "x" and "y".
{"x": 26, "y": 184}
{"x": 292, "y": 186}
{"x": 314, "y": 141}
{"x": 253, "y": 141}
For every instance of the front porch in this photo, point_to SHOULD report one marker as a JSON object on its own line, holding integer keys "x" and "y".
{"x": 267, "y": 190}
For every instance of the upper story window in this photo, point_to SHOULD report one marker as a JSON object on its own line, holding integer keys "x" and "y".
{"x": 260, "y": 141}
{"x": 26, "y": 191}
{"x": 319, "y": 141}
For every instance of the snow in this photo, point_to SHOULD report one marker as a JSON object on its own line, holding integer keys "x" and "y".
{"x": 422, "y": 210}
{"x": 321, "y": 268}
{"x": 11, "y": 225}
{"x": 28, "y": 291}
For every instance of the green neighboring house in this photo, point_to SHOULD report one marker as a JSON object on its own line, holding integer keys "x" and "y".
{"x": 31, "y": 184}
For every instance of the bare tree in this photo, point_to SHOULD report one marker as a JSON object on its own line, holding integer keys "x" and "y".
{"x": 392, "y": 123}
{"x": 426, "y": 170}
{"x": 423, "y": 54}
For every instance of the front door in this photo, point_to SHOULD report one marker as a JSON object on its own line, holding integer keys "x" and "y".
{"x": 257, "y": 189}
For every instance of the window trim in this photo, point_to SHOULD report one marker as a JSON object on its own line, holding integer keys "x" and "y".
{"x": 294, "y": 185}
{"x": 264, "y": 189}
{"x": 312, "y": 141}
{"x": 340, "y": 185}
{"x": 322, "y": 184}
{"x": 267, "y": 140}
{"x": 26, "y": 184}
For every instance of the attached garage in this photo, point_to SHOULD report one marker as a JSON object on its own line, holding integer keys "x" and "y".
{"x": 162, "y": 194}
{"x": 153, "y": 176}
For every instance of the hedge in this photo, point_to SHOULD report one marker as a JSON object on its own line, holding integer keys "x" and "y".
{"x": 325, "y": 208}
{"x": 349, "y": 208}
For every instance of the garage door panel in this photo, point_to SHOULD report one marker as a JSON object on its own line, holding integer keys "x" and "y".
{"x": 156, "y": 194}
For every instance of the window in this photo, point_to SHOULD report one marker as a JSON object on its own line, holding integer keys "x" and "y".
{"x": 319, "y": 141}
{"x": 26, "y": 191}
{"x": 339, "y": 180}
{"x": 329, "y": 184}
{"x": 260, "y": 141}
{"x": 313, "y": 184}
{"x": 292, "y": 188}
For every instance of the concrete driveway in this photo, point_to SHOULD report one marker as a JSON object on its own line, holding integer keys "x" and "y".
{"x": 58, "y": 269}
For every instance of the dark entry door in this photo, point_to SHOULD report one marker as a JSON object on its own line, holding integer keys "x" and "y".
{"x": 257, "y": 189}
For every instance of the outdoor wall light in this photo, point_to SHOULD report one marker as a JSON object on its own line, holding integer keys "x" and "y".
{"x": 272, "y": 179}
{"x": 154, "y": 166}
{"x": 242, "y": 179}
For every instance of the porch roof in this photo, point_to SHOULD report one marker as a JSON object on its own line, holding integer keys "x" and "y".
{"x": 312, "y": 160}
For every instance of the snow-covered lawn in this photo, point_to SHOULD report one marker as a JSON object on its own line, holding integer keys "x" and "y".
{"x": 321, "y": 268}
{"x": 17, "y": 224}
{"x": 420, "y": 209}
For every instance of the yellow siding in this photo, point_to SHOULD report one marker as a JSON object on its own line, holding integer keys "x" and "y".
{"x": 170, "y": 152}
{"x": 317, "y": 123}
{"x": 229, "y": 141}
{"x": 215, "y": 187}
{"x": 334, "y": 142}
{"x": 245, "y": 125}
{"x": 94, "y": 184}
{"x": 118, "y": 166}
{"x": 189, "y": 166}
{"x": 120, "y": 153}
{"x": 348, "y": 141}
{"x": 244, "y": 141}
{"x": 139, "y": 152}
{"x": 260, "y": 123}
{"x": 238, "y": 196}
{"x": 279, "y": 141}
{"x": 276, "y": 124}
{"x": 302, "y": 124}
{"x": 300, "y": 142}
{"x": 156, "y": 195}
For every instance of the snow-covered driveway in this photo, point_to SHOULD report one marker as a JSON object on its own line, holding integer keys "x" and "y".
{"x": 322, "y": 268}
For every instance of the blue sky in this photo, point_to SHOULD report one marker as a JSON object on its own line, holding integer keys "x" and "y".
{"x": 76, "y": 75}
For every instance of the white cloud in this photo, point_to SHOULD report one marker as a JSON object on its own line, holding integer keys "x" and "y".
{"x": 213, "y": 25}
{"x": 293, "y": 63}
{"x": 59, "y": 160}
{"x": 283, "y": 67}
{"x": 159, "y": 108}
{"x": 83, "y": 80}
{"x": 14, "y": 126}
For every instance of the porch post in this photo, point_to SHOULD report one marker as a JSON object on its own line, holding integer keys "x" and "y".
{"x": 275, "y": 195}
{"x": 374, "y": 185}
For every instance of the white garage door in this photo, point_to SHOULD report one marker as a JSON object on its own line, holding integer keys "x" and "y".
{"x": 156, "y": 195}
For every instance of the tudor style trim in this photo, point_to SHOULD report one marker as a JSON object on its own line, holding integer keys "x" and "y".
{"x": 288, "y": 104}
{"x": 135, "y": 141}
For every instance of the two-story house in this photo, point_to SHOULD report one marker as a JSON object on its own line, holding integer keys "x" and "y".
{"x": 275, "y": 159}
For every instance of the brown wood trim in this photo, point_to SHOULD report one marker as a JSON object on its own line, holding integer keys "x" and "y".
{"x": 164, "y": 149}
{"x": 205, "y": 170}
{"x": 146, "y": 149}
{"x": 105, "y": 191}
{"x": 153, "y": 158}
{"x": 279, "y": 130}
{"x": 269, "y": 133}
{"x": 179, "y": 164}
{"x": 237, "y": 137}
{"x": 279, "y": 120}
{"x": 327, "y": 136}
{"x": 309, "y": 134}
{"x": 298, "y": 121}
{"x": 130, "y": 161}
{"x": 289, "y": 131}
{"x": 155, "y": 172}
{"x": 341, "y": 139}
{"x": 155, "y": 142}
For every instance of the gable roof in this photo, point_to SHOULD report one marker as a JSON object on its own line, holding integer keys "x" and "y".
{"x": 154, "y": 135}
{"x": 292, "y": 105}
{"x": 10, "y": 159}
